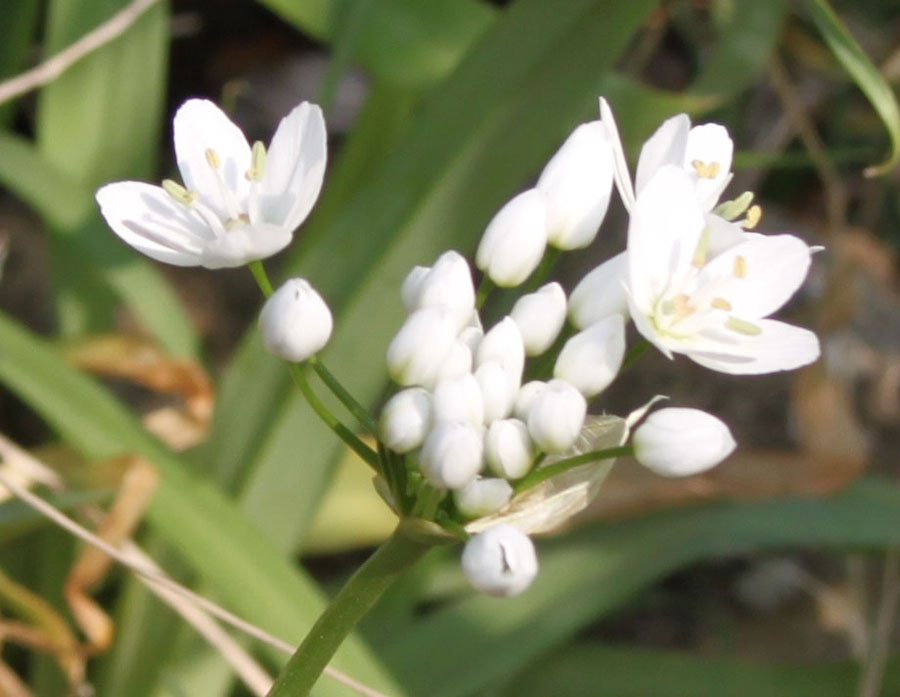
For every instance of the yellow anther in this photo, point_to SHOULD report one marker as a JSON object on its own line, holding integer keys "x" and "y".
{"x": 740, "y": 267}
{"x": 242, "y": 219}
{"x": 178, "y": 192}
{"x": 706, "y": 171}
{"x": 743, "y": 326}
{"x": 699, "y": 259}
{"x": 754, "y": 213}
{"x": 258, "y": 163}
{"x": 683, "y": 306}
{"x": 212, "y": 158}
{"x": 721, "y": 304}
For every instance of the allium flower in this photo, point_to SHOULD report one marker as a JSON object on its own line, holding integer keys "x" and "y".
{"x": 677, "y": 442}
{"x": 406, "y": 419}
{"x": 540, "y": 317}
{"x": 500, "y": 561}
{"x": 712, "y": 308}
{"x": 238, "y": 204}
{"x": 295, "y": 322}
{"x": 514, "y": 241}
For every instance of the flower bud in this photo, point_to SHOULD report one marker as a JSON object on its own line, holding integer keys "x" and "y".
{"x": 457, "y": 363}
{"x": 500, "y": 561}
{"x": 452, "y": 454}
{"x": 295, "y": 322}
{"x": 601, "y": 293}
{"x": 591, "y": 359}
{"x": 503, "y": 344}
{"x": 525, "y": 398}
{"x": 556, "y": 416}
{"x": 418, "y": 351}
{"x": 498, "y": 388}
{"x": 482, "y": 496}
{"x": 448, "y": 282}
{"x": 578, "y": 183}
{"x": 540, "y": 316}
{"x": 405, "y": 420}
{"x": 458, "y": 399}
{"x": 514, "y": 241}
{"x": 677, "y": 442}
{"x": 508, "y": 449}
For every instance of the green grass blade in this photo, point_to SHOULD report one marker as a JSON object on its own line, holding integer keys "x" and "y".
{"x": 19, "y": 21}
{"x": 867, "y": 77}
{"x": 225, "y": 551}
{"x": 598, "y": 568}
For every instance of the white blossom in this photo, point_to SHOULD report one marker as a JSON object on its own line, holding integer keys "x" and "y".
{"x": 405, "y": 420}
{"x": 418, "y": 352}
{"x": 238, "y": 204}
{"x": 499, "y": 389}
{"x": 295, "y": 322}
{"x": 448, "y": 283}
{"x": 525, "y": 398}
{"x": 556, "y": 416}
{"x": 514, "y": 241}
{"x": 504, "y": 344}
{"x": 452, "y": 454}
{"x": 676, "y": 442}
{"x": 540, "y": 317}
{"x": 591, "y": 359}
{"x": 508, "y": 448}
{"x": 458, "y": 399}
{"x": 601, "y": 293}
{"x": 500, "y": 561}
{"x": 482, "y": 496}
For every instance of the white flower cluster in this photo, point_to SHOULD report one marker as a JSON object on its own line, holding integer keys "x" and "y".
{"x": 692, "y": 279}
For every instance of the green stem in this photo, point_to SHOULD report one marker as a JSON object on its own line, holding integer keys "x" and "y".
{"x": 262, "y": 278}
{"x": 355, "y": 599}
{"x": 298, "y": 372}
{"x": 484, "y": 290}
{"x": 361, "y": 413}
{"x": 539, "y": 475}
{"x": 635, "y": 352}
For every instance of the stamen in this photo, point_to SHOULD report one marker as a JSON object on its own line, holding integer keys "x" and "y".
{"x": 743, "y": 327}
{"x": 699, "y": 259}
{"x": 212, "y": 158}
{"x": 730, "y": 210}
{"x": 754, "y": 213}
{"x": 683, "y": 306}
{"x": 721, "y": 304}
{"x": 706, "y": 171}
{"x": 258, "y": 163}
{"x": 242, "y": 219}
{"x": 178, "y": 192}
{"x": 740, "y": 267}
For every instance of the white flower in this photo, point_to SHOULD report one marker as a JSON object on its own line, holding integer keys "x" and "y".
{"x": 712, "y": 309}
{"x": 503, "y": 344}
{"x": 482, "y": 496}
{"x": 458, "y": 399}
{"x": 452, "y": 454}
{"x": 405, "y": 420}
{"x": 295, "y": 322}
{"x": 556, "y": 415}
{"x": 508, "y": 448}
{"x": 448, "y": 282}
{"x": 525, "y": 398}
{"x": 578, "y": 182}
{"x": 601, "y": 293}
{"x": 238, "y": 203}
{"x": 500, "y": 561}
{"x": 514, "y": 241}
{"x": 703, "y": 152}
{"x": 591, "y": 359}
{"x": 418, "y": 352}
{"x": 499, "y": 389}
{"x": 540, "y": 316}
{"x": 676, "y": 442}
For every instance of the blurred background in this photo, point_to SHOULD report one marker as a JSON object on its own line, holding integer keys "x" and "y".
{"x": 775, "y": 574}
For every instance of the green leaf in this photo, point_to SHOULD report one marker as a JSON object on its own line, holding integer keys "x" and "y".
{"x": 225, "y": 551}
{"x": 405, "y": 42}
{"x": 19, "y": 21}
{"x": 598, "y": 568}
{"x": 620, "y": 671}
{"x": 867, "y": 77}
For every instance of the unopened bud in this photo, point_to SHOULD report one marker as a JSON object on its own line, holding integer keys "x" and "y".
{"x": 601, "y": 293}
{"x": 459, "y": 399}
{"x": 591, "y": 359}
{"x": 417, "y": 352}
{"x": 514, "y": 241}
{"x": 482, "y": 496}
{"x": 500, "y": 561}
{"x": 508, "y": 449}
{"x": 677, "y": 442}
{"x": 405, "y": 420}
{"x": 540, "y": 316}
{"x": 295, "y": 322}
{"x": 452, "y": 454}
{"x": 556, "y": 416}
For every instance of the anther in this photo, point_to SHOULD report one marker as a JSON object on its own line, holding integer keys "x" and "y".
{"x": 721, "y": 304}
{"x": 178, "y": 192}
{"x": 740, "y": 267}
{"x": 730, "y": 210}
{"x": 754, "y": 213}
{"x": 683, "y": 306}
{"x": 212, "y": 158}
{"x": 743, "y": 327}
{"x": 706, "y": 171}
{"x": 258, "y": 162}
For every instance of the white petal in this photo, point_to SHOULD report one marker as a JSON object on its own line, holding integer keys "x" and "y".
{"x": 600, "y": 293}
{"x": 774, "y": 268}
{"x": 514, "y": 241}
{"x": 620, "y": 165}
{"x": 665, "y": 147}
{"x": 779, "y": 346}
{"x": 663, "y": 234}
{"x": 199, "y": 126}
{"x": 243, "y": 244}
{"x": 295, "y": 167}
{"x": 709, "y": 144}
{"x": 154, "y": 223}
